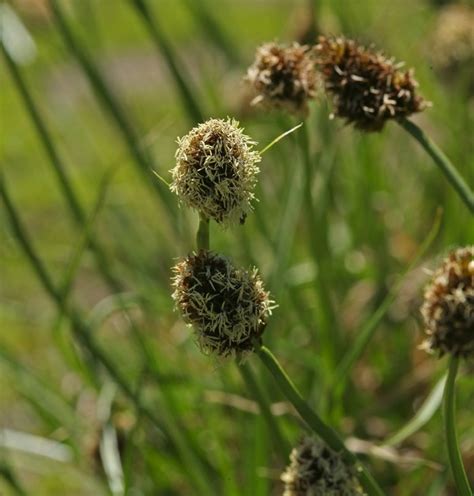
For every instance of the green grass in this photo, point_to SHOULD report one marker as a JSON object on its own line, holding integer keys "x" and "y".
{"x": 112, "y": 86}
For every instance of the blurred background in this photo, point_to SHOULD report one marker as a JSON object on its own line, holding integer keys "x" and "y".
{"x": 93, "y": 94}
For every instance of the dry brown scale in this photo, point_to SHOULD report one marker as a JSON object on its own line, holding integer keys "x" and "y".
{"x": 366, "y": 87}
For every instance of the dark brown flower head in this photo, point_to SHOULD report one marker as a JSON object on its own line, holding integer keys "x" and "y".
{"x": 367, "y": 88}
{"x": 228, "y": 307}
{"x": 283, "y": 76}
{"x": 448, "y": 309}
{"x": 216, "y": 170}
{"x": 317, "y": 470}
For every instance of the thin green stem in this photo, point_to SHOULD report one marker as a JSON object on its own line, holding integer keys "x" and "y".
{"x": 314, "y": 422}
{"x": 264, "y": 404}
{"x": 454, "y": 453}
{"x": 202, "y": 236}
{"x": 328, "y": 318}
{"x": 442, "y": 161}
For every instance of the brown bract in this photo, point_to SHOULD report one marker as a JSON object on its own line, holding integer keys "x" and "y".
{"x": 448, "y": 308}
{"x": 216, "y": 170}
{"x": 367, "y": 88}
{"x": 283, "y": 77}
{"x": 228, "y": 307}
{"x": 317, "y": 470}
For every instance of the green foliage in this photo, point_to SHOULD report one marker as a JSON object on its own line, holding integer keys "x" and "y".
{"x": 341, "y": 223}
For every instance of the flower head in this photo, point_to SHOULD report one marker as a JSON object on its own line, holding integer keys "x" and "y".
{"x": 228, "y": 307}
{"x": 366, "y": 87}
{"x": 448, "y": 309}
{"x": 283, "y": 76}
{"x": 216, "y": 170}
{"x": 316, "y": 470}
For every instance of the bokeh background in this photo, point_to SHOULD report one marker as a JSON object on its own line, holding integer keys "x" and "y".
{"x": 113, "y": 86}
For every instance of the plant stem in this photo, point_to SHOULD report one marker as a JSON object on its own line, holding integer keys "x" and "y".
{"x": 328, "y": 318}
{"x": 325, "y": 432}
{"x": 454, "y": 453}
{"x": 264, "y": 403}
{"x": 202, "y": 236}
{"x": 442, "y": 161}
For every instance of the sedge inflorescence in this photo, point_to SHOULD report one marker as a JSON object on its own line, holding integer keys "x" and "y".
{"x": 216, "y": 169}
{"x": 283, "y": 76}
{"x": 366, "y": 87}
{"x": 317, "y": 470}
{"x": 448, "y": 308}
{"x": 227, "y": 306}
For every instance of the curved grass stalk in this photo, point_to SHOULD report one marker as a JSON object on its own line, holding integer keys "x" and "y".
{"x": 454, "y": 453}
{"x": 202, "y": 236}
{"x": 314, "y": 422}
{"x": 442, "y": 161}
{"x": 328, "y": 317}
{"x": 422, "y": 416}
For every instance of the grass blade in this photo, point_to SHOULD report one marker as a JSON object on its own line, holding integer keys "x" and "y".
{"x": 190, "y": 103}
{"x": 114, "y": 109}
{"x": 454, "y": 453}
{"x": 65, "y": 185}
{"x": 213, "y": 30}
{"x": 422, "y": 416}
{"x": 365, "y": 335}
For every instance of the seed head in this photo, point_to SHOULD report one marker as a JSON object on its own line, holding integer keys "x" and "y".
{"x": 283, "y": 76}
{"x": 367, "y": 88}
{"x": 448, "y": 309}
{"x": 216, "y": 170}
{"x": 228, "y": 307}
{"x": 316, "y": 470}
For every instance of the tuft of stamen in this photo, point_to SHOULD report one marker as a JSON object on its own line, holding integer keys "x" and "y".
{"x": 228, "y": 307}
{"x": 216, "y": 170}
{"x": 367, "y": 88}
{"x": 448, "y": 308}
{"x": 283, "y": 77}
{"x": 317, "y": 470}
